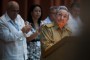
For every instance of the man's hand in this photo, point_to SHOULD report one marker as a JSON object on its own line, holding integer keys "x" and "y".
{"x": 26, "y": 28}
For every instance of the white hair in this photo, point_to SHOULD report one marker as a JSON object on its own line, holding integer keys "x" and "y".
{"x": 63, "y": 8}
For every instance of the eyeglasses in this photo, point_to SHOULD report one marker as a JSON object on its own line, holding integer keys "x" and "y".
{"x": 16, "y": 11}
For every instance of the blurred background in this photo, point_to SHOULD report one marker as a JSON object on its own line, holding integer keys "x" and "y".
{"x": 45, "y": 4}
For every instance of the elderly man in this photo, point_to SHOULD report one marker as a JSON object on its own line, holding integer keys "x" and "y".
{"x": 12, "y": 34}
{"x": 51, "y": 16}
{"x": 55, "y": 31}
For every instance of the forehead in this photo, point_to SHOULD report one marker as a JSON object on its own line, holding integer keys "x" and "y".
{"x": 63, "y": 12}
{"x": 14, "y": 8}
{"x": 53, "y": 11}
{"x": 37, "y": 8}
{"x": 75, "y": 8}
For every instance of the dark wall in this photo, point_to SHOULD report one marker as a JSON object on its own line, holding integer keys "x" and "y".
{"x": 45, "y": 4}
{"x": 25, "y": 5}
{"x": 85, "y": 16}
{"x": 0, "y": 6}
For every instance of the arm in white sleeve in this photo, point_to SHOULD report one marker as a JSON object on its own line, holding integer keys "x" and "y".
{"x": 8, "y": 36}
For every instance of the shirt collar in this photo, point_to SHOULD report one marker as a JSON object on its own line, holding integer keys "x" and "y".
{"x": 8, "y": 18}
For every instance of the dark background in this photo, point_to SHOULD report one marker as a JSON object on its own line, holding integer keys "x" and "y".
{"x": 25, "y": 5}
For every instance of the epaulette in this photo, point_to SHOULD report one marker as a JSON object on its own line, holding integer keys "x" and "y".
{"x": 68, "y": 29}
{"x": 50, "y": 25}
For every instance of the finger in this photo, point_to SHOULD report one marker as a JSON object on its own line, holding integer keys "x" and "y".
{"x": 26, "y": 23}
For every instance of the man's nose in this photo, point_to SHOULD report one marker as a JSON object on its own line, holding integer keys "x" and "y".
{"x": 62, "y": 17}
{"x": 37, "y": 12}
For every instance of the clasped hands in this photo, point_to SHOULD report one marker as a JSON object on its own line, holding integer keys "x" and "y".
{"x": 26, "y": 28}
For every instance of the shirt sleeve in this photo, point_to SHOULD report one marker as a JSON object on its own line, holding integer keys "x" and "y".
{"x": 29, "y": 33}
{"x": 7, "y": 36}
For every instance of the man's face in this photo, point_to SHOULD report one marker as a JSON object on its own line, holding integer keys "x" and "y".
{"x": 76, "y": 11}
{"x": 12, "y": 12}
{"x": 52, "y": 14}
{"x": 62, "y": 17}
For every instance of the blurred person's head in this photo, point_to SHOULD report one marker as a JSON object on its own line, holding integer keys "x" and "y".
{"x": 12, "y": 9}
{"x": 35, "y": 13}
{"x": 75, "y": 9}
{"x": 62, "y": 16}
{"x": 52, "y": 13}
